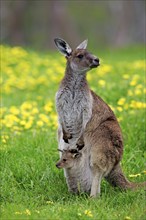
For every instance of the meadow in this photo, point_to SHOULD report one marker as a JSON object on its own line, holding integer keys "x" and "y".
{"x": 31, "y": 186}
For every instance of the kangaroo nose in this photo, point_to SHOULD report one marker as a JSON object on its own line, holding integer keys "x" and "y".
{"x": 57, "y": 165}
{"x": 96, "y": 61}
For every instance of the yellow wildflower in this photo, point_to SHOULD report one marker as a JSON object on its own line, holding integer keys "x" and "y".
{"x": 121, "y": 101}
{"x": 18, "y": 52}
{"x": 127, "y": 218}
{"x": 25, "y": 114}
{"x": 88, "y": 213}
{"x": 137, "y": 105}
{"x": 28, "y": 125}
{"x": 16, "y": 128}
{"x": 27, "y": 212}
{"x": 137, "y": 92}
{"x": 18, "y": 213}
{"x": 14, "y": 110}
{"x": 79, "y": 214}
{"x": 54, "y": 120}
{"x": 134, "y": 175}
{"x": 139, "y": 86}
{"x": 104, "y": 69}
{"x": 48, "y": 107}
{"x": 10, "y": 120}
{"x": 22, "y": 122}
{"x": 120, "y": 119}
{"x": 5, "y": 136}
{"x": 26, "y": 106}
{"x": 119, "y": 108}
{"x": 44, "y": 118}
{"x": 139, "y": 64}
{"x": 126, "y": 106}
{"x": 4, "y": 141}
{"x": 89, "y": 77}
{"x": 2, "y": 111}
{"x": 112, "y": 107}
{"x": 130, "y": 93}
{"x": 101, "y": 82}
{"x": 126, "y": 76}
{"x": 133, "y": 82}
{"x": 40, "y": 123}
{"x": 34, "y": 111}
{"x": 50, "y": 202}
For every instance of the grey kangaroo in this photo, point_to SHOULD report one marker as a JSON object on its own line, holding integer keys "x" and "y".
{"x": 78, "y": 175}
{"x": 86, "y": 120}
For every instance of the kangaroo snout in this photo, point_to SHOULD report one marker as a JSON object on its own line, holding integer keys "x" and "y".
{"x": 95, "y": 63}
{"x": 58, "y": 165}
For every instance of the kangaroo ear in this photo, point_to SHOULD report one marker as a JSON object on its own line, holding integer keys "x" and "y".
{"x": 63, "y": 46}
{"x": 83, "y": 45}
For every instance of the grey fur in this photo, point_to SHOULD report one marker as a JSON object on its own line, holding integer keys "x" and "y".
{"x": 77, "y": 169}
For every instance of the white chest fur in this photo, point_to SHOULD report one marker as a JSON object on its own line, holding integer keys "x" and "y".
{"x": 74, "y": 107}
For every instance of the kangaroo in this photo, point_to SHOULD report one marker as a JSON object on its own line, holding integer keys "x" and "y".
{"x": 79, "y": 176}
{"x": 78, "y": 179}
{"x": 74, "y": 99}
{"x": 85, "y": 118}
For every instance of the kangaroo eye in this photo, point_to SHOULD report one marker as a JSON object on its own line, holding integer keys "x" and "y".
{"x": 64, "y": 160}
{"x": 80, "y": 56}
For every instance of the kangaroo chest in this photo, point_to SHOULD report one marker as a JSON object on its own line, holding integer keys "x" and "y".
{"x": 74, "y": 108}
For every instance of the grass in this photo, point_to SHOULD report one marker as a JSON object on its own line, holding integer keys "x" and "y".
{"x": 31, "y": 186}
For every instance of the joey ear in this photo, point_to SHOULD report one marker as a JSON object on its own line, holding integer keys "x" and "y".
{"x": 83, "y": 45}
{"x": 77, "y": 155}
{"x": 63, "y": 47}
{"x": 60, "y": 150}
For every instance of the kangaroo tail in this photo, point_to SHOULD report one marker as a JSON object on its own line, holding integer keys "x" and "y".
{"x": 117, "y": 179}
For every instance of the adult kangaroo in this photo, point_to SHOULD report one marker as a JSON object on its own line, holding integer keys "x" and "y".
{"x": 87, "y": 123}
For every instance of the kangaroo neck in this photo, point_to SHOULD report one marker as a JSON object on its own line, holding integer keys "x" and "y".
{"x": 74, "y": 79}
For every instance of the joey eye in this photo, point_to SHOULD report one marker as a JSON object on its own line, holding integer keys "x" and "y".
{"x": 64, "y": 160}
{"x": 80, "y": 56}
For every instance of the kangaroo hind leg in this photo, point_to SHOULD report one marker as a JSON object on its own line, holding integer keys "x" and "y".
{"x": 96, "y": 182}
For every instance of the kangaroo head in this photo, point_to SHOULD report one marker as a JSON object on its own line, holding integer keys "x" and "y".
{"x": 80, "y": 60}
{"x": 68, "y": 158}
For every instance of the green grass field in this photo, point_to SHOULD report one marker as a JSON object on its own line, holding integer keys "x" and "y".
{"x": 31, "y": 186}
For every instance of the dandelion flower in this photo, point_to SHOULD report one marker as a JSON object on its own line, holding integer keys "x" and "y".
{"x": 121, "y": 101}
{"x": 14, "y": 110}
{"x": 79, "y": 214}
{"x": 27, "y": 212}
{"x": 119, "y": 108}
{"x": 134, "y": 175}
{"x": 126, "y": 76}
{"x": 40, "y": 123}
{"x": 50, "y": 202}
{"x": 88, "y": 213}
{"x": 127, "y": 218}
{"x": 18, "y": 213}
{"x": 101, "y": 83}
{"x": 48, "y": 107}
